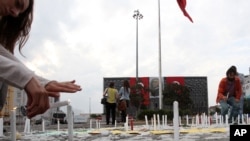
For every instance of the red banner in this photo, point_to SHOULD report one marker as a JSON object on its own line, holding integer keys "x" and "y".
{"x": 144, "y": 81}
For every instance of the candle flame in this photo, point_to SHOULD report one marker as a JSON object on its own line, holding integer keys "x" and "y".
{"x": 69, "y": 101}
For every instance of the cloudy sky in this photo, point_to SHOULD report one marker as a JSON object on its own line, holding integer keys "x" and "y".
{"x": 87, "y": 40}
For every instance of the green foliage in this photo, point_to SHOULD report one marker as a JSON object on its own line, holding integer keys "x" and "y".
{"x": 217, "y": 109}
{"x": 95, "y": 115}
{"x": 136, "y": 96}
{"x": 185, "y": 112}
{"x": 174, "y": 92}
{"x": 169, "y": 113}
{"x": 136, "y": 99}
{"x": 246, "y": 107}
{"x": 150, "y": 114}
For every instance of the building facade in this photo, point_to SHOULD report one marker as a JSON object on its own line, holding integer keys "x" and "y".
{"x": 197, "y": 85}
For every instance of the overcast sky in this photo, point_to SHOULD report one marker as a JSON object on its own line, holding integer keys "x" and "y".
{"x": 87, "y": 40}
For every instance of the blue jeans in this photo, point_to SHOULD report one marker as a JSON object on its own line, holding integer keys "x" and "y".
{"x": 241, "y": 104}
{"x": 225, "y": 105}
{"x": 241, "y": 107}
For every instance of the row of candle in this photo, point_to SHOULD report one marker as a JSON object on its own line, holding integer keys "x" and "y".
{"x": 27, "y": 125}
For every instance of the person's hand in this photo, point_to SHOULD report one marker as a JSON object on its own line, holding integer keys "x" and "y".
{"x": 237, "y": 100}
{"x": 38, "y": 98}
{"x": 224, "y": 98}
{"x": 67, "y": 86}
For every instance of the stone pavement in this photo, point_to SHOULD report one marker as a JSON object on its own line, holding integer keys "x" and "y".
{"x": 139, "y": 132}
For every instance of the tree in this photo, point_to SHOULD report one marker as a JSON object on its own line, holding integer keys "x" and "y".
{"x": 246, "y": 108}
{"x": 136, "y": 97}
{"x": 175, "y": 92}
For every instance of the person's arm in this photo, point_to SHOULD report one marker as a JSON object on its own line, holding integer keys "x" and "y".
{"x": 14, "y": 73}
{"x": 105, "y": 92}
{"x": 10, "y": 66}
{"x": 221, "y": 90}
{"x": 238, "y": 89}
{"x": 120, "y": 93}
{"x": 116, "y": 94}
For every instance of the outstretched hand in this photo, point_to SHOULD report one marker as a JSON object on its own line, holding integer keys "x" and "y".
{"x": 38, "y": 96}
{"x": 67, "y": 86}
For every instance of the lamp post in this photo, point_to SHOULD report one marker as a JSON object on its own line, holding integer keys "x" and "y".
{"x": 160, "y": 76}
{"x": 137, "y": 15}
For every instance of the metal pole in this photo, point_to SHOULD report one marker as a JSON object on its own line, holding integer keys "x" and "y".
{"x": 137, "y": 50}
{"x": 160, "y": 77}
{"x": 137, "y": 15}
{"x": 89, "y": 108}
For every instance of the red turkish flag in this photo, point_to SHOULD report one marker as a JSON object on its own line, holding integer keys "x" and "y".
{"x": 182, "y": 5}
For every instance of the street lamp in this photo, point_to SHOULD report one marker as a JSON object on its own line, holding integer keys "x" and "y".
{"x": 137, "y": 15}
{"x": 160, "y": 76}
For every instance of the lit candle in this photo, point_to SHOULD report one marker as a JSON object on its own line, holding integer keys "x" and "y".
{"x": 13, "y": 124}
{"x": 59, "y": 104}
{"x": 43, "y": 125}
{"x": 27, "y": 126}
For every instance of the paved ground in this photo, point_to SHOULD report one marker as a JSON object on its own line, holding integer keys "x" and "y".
{"x": 82, "y": 132}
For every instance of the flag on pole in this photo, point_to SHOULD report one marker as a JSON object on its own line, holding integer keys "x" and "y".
{"x": 182, "y": 5}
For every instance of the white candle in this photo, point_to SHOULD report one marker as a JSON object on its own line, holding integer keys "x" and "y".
{"x": 59, "y": 104}
{"x": 43, "y": 124}
{"x": 58, "y": 125}
{"x": 163, "y": 122}
{"x": 13, "y": 124}
{"x": 70, "y": 123}
{"x": 176, "y": 122}
{"x": 90, "y": 123}
{"x": 127, "y": 119}
{"x": 154, "y": 120}
{"x": 158, "y": 121}
{"x": 1, "y": 127}
{"x": 27, "y": 126}
{"x": 96, "y": 121}
{"x": 166, "y": 120}
{"x": 146, "y": 120}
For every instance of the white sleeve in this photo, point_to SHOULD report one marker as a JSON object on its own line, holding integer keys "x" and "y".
{"x": 14, "y": 72}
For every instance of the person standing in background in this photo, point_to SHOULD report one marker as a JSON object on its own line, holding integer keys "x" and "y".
{"x": 112, "y": 95}
{"x": 241, "y": 77}
{"x": 229, "y": 93}
{"x": 124, "y": 94}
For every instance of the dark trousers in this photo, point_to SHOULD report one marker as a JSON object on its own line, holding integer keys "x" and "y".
{"x": 124, "y": 112}
{"x": 110, "y": 109}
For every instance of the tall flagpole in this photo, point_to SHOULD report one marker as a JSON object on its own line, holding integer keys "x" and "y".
{"x": 160, "y": 77}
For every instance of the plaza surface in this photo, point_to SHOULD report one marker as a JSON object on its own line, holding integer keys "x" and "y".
{"x": 140, "y": 132}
